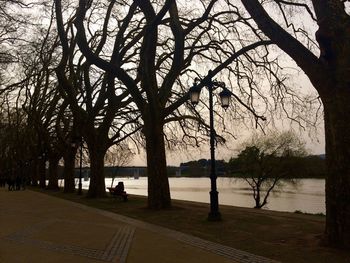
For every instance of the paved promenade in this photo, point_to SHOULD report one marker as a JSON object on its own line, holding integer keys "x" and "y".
{"x": 35, "y": 227}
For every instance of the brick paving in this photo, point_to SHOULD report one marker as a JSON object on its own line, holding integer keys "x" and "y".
{"x": 225, "y": 251}
{"x": 63, "y": 231}
{"x": 115, "y": 251}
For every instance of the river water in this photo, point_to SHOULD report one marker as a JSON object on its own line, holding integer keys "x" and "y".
{"x": 308, "y": 195}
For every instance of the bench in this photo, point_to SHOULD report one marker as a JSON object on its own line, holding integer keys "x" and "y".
{"x": 123, "y": 195}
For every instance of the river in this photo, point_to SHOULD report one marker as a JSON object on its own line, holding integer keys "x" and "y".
{"x": 307, "y": 196}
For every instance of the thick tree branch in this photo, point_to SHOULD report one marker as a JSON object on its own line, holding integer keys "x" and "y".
{"x": 171, "y": 108}
{"x": 304, "y": 58}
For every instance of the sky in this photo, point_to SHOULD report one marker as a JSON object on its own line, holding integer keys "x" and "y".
{"x": 313, "y": 137}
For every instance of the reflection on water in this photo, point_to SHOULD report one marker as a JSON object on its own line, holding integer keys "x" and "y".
{"x": 307, "y": 195}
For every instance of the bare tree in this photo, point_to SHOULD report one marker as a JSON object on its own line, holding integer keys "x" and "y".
{"x": 266, "y": 160}
{"x": 118, "y": 156}
{"x": 101, "y": 105}
{"x": 14, "y": 149}
{"x": 325, "y": 59}
{"x": 32, "y": 85}
{"x": 155, "y": 52}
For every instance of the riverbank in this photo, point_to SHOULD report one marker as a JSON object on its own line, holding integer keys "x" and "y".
{"x": 283, "y": 236}
{"x": 308, "y": 195}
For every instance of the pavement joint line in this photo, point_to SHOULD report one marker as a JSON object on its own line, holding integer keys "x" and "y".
{"x": 128, "y": 242}
{"x": 222, "y": 250}
{"x": 120, "y": 244}
{"x": 107, "y": 251}
{"x": 116, "y": 250}
{"x": 126, "y": 234}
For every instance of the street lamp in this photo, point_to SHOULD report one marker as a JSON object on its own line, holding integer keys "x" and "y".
{"x": 79, "y": 142}
{"x": 225, "y": 94}
{"x": 42, "y": 169}
{"x": 225, "y": 97}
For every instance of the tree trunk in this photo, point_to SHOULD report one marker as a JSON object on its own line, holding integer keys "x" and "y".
{"x": 158, "y": 184}
{"x": 68, "y": 170}
{"x": 257, "y": 198}
{"x": 97, "y": 187}
{"x": 330, "y": 76}
{"x": 337, "y": 129}
{"x": 333, "y": 37}
{"x": 53, "y": 173}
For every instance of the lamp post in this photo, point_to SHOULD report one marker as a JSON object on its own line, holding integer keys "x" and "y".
{"x": 80, "y": 166}
{"x": 79, "y": 142}
{"x": 225, "y": 94}
{"x": 42, "y": 169}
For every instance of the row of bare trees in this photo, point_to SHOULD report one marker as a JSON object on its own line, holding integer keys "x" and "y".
{"x": 110, "y": 71}
{"x": 155, "y": 51}
{"x": 58, "y": 110}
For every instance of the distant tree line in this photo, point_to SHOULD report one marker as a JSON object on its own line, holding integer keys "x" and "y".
{"x": 310, "y": 166}
{"x": 201, "y": 168}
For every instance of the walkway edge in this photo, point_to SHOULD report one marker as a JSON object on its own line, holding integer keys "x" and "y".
{"x": 222, "y": 250}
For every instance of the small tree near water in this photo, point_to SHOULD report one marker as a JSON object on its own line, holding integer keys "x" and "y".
{"x": 118, "y": 156}
{"x": 265, "y": 160}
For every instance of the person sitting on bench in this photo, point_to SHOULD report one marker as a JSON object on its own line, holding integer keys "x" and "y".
{"x": 119, "y": 188}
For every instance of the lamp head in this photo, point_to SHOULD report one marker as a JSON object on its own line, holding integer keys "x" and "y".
{"x": 225, "y": 97}
{"x": 195, "y": 94}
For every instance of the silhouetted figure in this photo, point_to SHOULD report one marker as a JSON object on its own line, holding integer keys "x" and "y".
{"x": 119, "y": 188}
{"x": 11, "y": 183}
{"x": 18, "y": 183}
